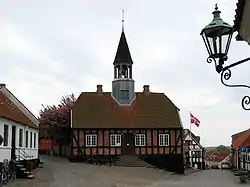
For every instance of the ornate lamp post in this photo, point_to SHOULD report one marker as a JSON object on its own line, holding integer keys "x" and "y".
{"x": 217, "y": 37}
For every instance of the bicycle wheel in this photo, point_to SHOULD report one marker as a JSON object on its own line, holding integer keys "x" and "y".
{"x": 4, "y": 178}
{"x": 1, "y": 182}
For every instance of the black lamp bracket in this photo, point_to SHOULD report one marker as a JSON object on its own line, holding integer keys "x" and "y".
{"x": 226, "y": 74}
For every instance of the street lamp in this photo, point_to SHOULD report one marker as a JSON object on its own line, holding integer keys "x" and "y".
{"x": 217, "y": 37}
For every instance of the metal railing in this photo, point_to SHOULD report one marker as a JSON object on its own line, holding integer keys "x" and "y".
{"x": 22, "y": 155}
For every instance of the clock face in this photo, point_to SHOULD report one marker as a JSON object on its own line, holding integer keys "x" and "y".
{"x": 124, "y": 94}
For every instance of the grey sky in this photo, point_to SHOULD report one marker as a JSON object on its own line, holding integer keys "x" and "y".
{"x": 52, "y": 48}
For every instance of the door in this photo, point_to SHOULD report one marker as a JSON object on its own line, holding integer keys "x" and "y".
{"x": 13, "y": 143}
{"x": 128, "y": 143}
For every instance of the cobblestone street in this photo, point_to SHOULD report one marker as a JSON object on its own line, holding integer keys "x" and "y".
{"x": 58, "y": 172}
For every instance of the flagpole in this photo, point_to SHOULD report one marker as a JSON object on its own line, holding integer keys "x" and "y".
{"x": 190, "y": 122}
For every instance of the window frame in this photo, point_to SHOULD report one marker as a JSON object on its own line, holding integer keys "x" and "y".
{"x": 34, "y": 143}
{"x": 163, "y": 143}
{"x": 20, "y": 143}
{"x": 6, "y": 135}
{"x": 116, "y": 143}
{"x": 90, "y": 143}
{"x": 31, "y": 139}
{"x": 26, "y": 139}
{"x": 140, "y": 143}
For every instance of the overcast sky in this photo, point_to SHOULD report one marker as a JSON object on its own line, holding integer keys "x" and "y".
{"x": 52, "y": 48}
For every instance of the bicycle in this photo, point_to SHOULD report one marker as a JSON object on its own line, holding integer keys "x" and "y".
{"x": 7, "y": 171}
{"x": 12, "y": 170}
{"x": 3, "y": 171}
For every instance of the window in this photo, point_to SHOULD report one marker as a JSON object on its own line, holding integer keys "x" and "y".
{"x": 26, "y": 139}
{"x": 140, "y": 140}
{"x": 91, "y": 140}
{"x": 115, "y": 140}
{"x": 30, "y": 139}
{"x": 163, "y": 139}
{"x": 34, "y": 140}
{"x": 20, "y": 137}
{"x": 5, "y": 135}
{"x": 124, "y": 94}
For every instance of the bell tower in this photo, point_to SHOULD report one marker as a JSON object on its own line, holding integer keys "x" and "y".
{"x": 123, "y": 83}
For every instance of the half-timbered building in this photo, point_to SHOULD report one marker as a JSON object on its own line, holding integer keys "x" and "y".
{"x": 124, "y": 125}
{"x": 194, "y": 155}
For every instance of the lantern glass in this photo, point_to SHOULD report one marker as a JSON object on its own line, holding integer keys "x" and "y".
{"x": 217, "y": 41}
{"x": 217, "y": 36}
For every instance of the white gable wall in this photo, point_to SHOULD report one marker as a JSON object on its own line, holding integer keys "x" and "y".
{"x": 5, "y": 151}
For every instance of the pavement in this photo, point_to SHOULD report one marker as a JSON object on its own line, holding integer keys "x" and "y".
{"x": 58, "y": 172}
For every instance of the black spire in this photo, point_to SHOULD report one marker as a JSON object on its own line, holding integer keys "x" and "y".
{"x": 122, "y": 54}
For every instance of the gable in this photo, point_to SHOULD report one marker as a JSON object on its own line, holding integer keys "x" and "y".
{"x": 9, "y": 110}
{"x": 189, "y": 136}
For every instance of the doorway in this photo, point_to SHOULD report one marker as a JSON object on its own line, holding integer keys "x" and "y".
{"x": 13, "y": 143}
{"x": 128, "y": 143}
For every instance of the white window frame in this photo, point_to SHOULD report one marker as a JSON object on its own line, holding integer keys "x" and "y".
{"x": 164, "y": 138}
{"x": 248, "y": 157}
{"x": 142, "y": 139}
{"x": 89, "y": 140}
{"x": 117, "y": 141}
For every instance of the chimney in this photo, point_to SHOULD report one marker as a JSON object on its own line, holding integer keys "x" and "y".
{"x": 99, "y": 88}
{"x": 146, "y": 90}
{"x": 197, "y": 138}
{"x": 2, "y": 85}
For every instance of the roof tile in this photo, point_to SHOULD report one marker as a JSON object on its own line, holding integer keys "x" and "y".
{"x": 10, "y": 111}
{"x": 243, "y": 140}
{"x": 94, "y": 110}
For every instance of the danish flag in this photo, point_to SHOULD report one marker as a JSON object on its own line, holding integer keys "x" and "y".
{"x": 194, "y": 120}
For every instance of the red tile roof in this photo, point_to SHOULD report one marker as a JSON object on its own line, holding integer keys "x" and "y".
{"x": 235, "y": 136}
{"x": 216, "y": 157}
{"x": 100, "y": 110}
{"x": 10, "y": 111}
{"x": 243, "y": 140}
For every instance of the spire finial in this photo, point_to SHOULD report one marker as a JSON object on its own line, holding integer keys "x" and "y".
{"x": 216, "y": 6}
{"x": 216, "y": 12}
{"x": 122, "y": 19}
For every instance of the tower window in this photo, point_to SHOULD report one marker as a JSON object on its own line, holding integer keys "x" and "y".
{"x": 124, "y": 71}
{"x": 124, "y": 94}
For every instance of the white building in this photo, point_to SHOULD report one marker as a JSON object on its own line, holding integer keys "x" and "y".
{"x": 18, "y": 129}
{"x": 193, "y": 150}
